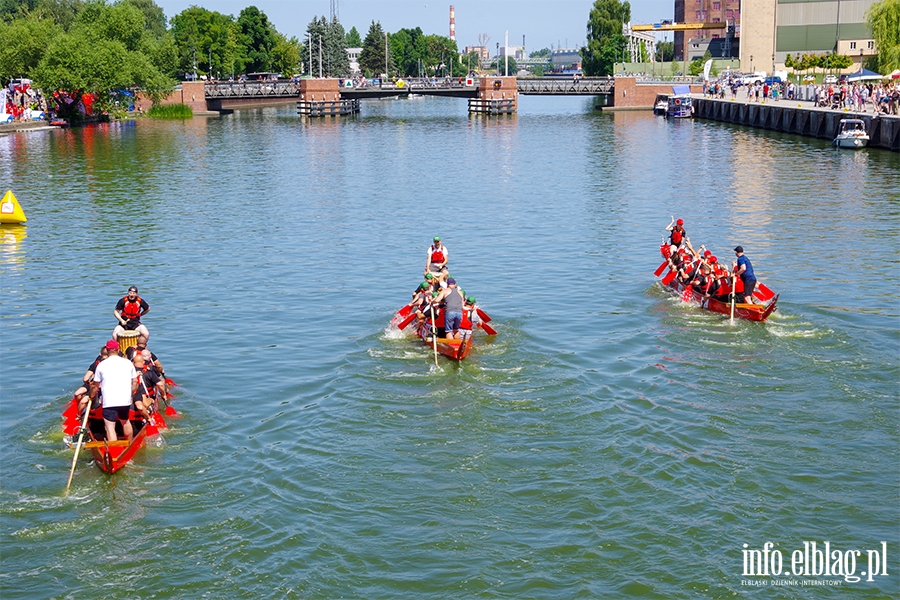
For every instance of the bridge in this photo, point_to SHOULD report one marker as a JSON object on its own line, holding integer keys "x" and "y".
{"x": 225, "y": 95}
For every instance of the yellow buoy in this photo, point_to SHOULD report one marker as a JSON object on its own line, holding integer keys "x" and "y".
{"x": 10, "y": 211}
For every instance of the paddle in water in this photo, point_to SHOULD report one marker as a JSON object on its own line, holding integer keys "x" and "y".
{"x": 81, "y": 434}
{"x": 488, "y": 329}
{"x": 484, "y": 316}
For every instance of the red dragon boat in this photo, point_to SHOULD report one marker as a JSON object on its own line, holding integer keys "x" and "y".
{"x": 750, "y": 312}
{"x": 457, "y": 349}
{"x": 110, "y": 456}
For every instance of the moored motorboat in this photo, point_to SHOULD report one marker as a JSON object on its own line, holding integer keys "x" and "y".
{"x": 661, "y": 105}
{"x": 851, "y": 134}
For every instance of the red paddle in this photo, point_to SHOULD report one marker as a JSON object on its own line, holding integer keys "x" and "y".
{"x": 763, "y": 292}
{"x": 170, "y": 382}
{"x": 661, "y": 268}
{"x": 484, "y": 316}
{"x": 668, "y": 278}
{"x": 406, "y": 321}
{"x": 405, "y": 310}
{"x": 488, "y": 329}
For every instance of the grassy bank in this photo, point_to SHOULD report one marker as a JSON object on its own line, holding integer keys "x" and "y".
{"x": 170, "y": 111}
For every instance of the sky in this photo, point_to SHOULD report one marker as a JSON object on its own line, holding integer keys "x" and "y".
{"x": 544, "y": 23}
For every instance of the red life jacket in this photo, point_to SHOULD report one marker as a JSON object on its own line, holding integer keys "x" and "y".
{"x": 132, "y": 310}
{"x": 437, "y": 256}
{"x": 677, "y": 236}
{"x": 466, "y": 320}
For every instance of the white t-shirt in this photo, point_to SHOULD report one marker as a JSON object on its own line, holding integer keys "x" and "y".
{"x": 115, "y": 375}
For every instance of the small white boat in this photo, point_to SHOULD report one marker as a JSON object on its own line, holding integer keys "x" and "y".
{"x": 852, "y": 134}
{"x": 661, "y": 105}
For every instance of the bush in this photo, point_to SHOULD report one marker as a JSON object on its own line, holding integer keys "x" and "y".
{"x": 170, "y": 111}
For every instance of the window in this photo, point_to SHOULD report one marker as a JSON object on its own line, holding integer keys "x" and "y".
{"x": 716, "y": 20}
{"x": 853, "y": 45}
{"x": 698, "y": 15}
{"x": 729, "y": 14}
{"x": 871, "y": 45}
{"x": 717, "y": 6}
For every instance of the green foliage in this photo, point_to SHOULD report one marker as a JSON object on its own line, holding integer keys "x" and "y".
{"x": 372, "y": 59}
{"x": 605, "y": 42}
{"x": 258, "y": 39}
{"x": 170, "y": 111}
{"x": 353, "y": 39}
{"x": 665, "y": 51}
{"x": 883, "y": 19}
{"x": 542, "y": 53}
{"x": 286, "y": 55}
{"x": 32, "y": 36}
{"x": 214, "y": 40}
{"x": 501, "y": 66}
{"x": 334, "y": 59}
{"x": 696, "y": 66}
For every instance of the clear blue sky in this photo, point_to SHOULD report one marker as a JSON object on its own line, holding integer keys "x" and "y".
{"x": 542, "y": 22}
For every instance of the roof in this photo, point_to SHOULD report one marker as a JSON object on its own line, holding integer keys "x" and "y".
{"x": 681, "y": 89}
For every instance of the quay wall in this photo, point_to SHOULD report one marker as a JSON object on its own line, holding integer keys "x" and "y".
{"x": 192, "y": 93}
{"x": 629, "y": 94}
{"x": 884, "y": 131}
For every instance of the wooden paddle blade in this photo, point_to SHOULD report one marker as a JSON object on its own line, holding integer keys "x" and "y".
{"x": 409, "y": 319}
{"x": 484, "y": 316}
{"x": 488, "y": 329}
{"x": 661, "y": 268}
{"x": 668, "y": 278}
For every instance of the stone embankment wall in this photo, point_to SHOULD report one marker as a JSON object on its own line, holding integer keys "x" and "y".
{"x": 884, "y": 131}
{"x": 192, "y": 93}
{"x": 633, "y": 95}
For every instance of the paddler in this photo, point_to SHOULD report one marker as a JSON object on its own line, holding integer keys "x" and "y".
{"x": 453, "y": 300}
{"x": 118, "y": 380}
{"x": 678, "y": 236}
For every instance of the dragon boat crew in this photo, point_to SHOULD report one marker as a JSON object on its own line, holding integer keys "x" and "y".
{"x": 453, "y": 300}
{"x": 117, "y": 379}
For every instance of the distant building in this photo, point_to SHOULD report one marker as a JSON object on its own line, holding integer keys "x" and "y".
{"x": 482, "y": 51}
{"x": 773, "y": 29}
{"x": 634, "y": 40}
{"x": 353, "y": 54}
{"x": 705, "y": 11}
{"x": 565, "y": 59}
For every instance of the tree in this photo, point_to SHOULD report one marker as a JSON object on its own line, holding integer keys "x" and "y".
{"x": 336, "y": 59}
{"x": 665, "y": 51}
{"x": 286, "y": 55}
{"x": 542, "y": 53}
{"x": 501, "y": 65}
{"x": 353, "y": 40}
{"x": 372, "y": 58}
{"x": 258, "y": 39}
{"x": 209, "y": 38}
{"x": 32, "y": 36}
{"x": 605, "y": 42}
{"x": 883, "y": 19}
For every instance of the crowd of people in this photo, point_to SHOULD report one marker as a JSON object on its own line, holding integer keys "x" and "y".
{"x": 439, "y": 302}
{"x": 124, "y": 381}
{"x": 883, "y": 98}
{"x": 701, "y": 270}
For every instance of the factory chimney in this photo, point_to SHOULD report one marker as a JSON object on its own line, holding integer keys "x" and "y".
{"x": 452, "y": 23}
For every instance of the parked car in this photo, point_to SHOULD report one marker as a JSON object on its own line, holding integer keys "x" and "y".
{"x": 831, "y": 79}
{"x": 770, "y": 81}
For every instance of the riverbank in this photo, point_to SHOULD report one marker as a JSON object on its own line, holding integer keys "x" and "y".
{"x": 7, "y": 128}
{"x": 799, "y": 118}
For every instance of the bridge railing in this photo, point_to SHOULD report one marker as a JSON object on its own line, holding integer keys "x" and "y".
{"x": 565, "y": 86}
{"x": 252, "y": 89}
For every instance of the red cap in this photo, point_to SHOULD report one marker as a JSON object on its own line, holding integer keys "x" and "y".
{"x": 713, "y": 259}
{"x": 707, "y": 253}
{"x": 679, "y": 222}
{"x": 112, "y": 345}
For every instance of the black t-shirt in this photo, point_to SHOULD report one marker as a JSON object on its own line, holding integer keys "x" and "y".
{"x": 120, "y": 306}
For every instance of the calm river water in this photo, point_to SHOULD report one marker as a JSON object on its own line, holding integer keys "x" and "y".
{"x": 610, "y": 442}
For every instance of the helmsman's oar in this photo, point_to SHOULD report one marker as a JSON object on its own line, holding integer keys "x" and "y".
{"x": 434, "y": 334}
{"x": 81, "y": 434}
{"x": 733, "y": 293}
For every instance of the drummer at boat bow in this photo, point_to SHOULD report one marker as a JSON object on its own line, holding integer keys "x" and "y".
{"x": 744, "y": 270}
{"x": 128, "y": 312}
{"x": 678, "y": 236}
{"x": 116, "y": 379}
{"x": 437, "y": 258}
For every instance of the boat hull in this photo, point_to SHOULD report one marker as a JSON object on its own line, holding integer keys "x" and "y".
{"x": 740, "y": 311}
{"x": 851, "y": 142}
{"x": 455, "y": 349}
{"x": 111, "y": 457}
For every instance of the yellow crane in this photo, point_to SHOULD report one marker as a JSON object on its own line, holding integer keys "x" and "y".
{"x": 677, "y": 26}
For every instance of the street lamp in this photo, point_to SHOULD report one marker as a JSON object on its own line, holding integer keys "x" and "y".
{"x": 860, "y": 60}
{"x": 751, "y": 63}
